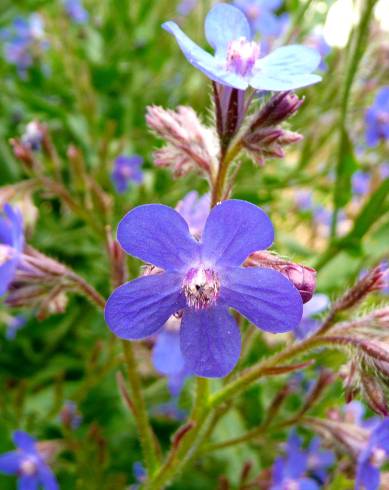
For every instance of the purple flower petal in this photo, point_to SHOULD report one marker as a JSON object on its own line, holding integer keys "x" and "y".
{"x": 263, "y": 296}
{"x": 367, "y": 477}
{"x": 210, "y": 342}
{"x": 235, "y": 229}
{"x": 47, "y": 478}
{"x": 225, "y": 23}
{"x": 140, "y": 308}
{"x": 158, "y": 234}
{"x": 308, "y": 484}
{"x": 204, "y": 61}
{"x": 286, "y": 68}
{"x": 7, "y": 274}
{"x": 24, "y": 441}
{"x": 28, "y": 483}
{"x": 10, "y": 462}
{"x": 167, "y": 357}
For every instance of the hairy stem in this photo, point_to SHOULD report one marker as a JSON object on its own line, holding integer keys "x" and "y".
{"x": 146, "y": 433}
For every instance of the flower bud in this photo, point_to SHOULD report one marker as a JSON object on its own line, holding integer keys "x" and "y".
{"x": 302, "y": 277}
{"x": 374, "y": 394}
{"x": 191, "y": 146}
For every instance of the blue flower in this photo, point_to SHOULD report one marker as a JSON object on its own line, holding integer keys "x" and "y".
{"x": 76, "y": 11}
{"x": 11, "y": 245}
{"x": 127, "y": 169}
{"x": 201, "y": 280}
{"x": 14, "y": 324}
{"x": 185, "y": 7}
{"x": 261, "y": 16}
{"x": 317, "y": 41}
{"x": 319, "y": 460}
{"x": 237, "y": 62}
{"x": 290, "y": 471}
{"x": 309, "y": 323}
{"x": 28, "y": 464}
{"x": 167, "y": 357}
{"x": 372, "y": 457}
{"x": 195, "y": 209}
{"x": 377, "y": 119}
{"x": 361, "y": 182}
{"x": 20, "y": 39}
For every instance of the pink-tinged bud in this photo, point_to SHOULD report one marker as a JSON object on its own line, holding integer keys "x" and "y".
{"x": 191, "y": 146}
{"x": 264, "y": 138}
{"x": 279, "y": 108}
{"x": 23, "y": 153}
{"x": 302, "y": 277}
{"x": 374, "y": 280}
{"x": 117, "y": 260}
{"x": 230, "y": 109}
{"x": 374, "y": 394}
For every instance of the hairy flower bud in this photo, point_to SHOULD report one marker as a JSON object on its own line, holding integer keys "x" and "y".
{"x": 303, "y": 277}
{"x": 264, "y": 137}
{"x": 190, "y": 145}
{"x": 374, "y": 394}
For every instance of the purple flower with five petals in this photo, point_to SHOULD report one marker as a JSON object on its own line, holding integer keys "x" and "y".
{"x": 377, "y": 118}
{"x": 11, "y": 245}
{"x": 202, "y": 280}
{"x": 289, "y": 472}
{"x": 372, "y": 457}
{"x": 237, "y": 61}
{"x": 127, "y": 169}
{"x": 28, "y": 464}
{"x": 261, "y": 16}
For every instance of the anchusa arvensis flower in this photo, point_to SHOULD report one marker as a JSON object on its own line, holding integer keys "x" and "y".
{"x": 127, "y": 169}
{"x": 11, "y": 245}
{"x": 377, "y": 118}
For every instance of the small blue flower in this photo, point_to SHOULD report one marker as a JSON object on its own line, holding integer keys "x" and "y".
{"x": 262, "y": 18}
{"x": 167, "y": 357}
{"x": 317, "y": 41}
{"x": 20, "y": 39}
{"x": 377, "y": 119}
{"x": 201, "y": 279}
{"x": 11, "y": 245}
{"x": 290, "y": 471}
{"x": 76, "y": 11}
{"x": 237, "y": 62}
{"x": 185, "y": 7}
{"x": 319, "y": 460}
{"x": 127, "y": 169}
{"x": 14, "y": 324}
{"x": 195, "y": 209}
{"x": 372, "y": 457}
{"x": 361, "y": 182}
{"x": 28, "y": 464}
{"x": 311, "y": 309}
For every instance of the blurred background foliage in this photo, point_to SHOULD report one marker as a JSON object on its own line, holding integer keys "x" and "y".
{"x": 91, "y": 85}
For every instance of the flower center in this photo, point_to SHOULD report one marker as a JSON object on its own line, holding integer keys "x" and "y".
{"x": 383, "y": 117}
{"x": 378, "y": 457}
{"x": 201, "y": 287}
{"x": 242, "y": 55}
{"x": 28, "y": 467}
{"x": 5, "y": 254}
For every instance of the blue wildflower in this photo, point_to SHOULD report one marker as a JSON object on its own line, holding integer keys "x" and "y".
{"x": 319, "y": 460}
{"x": 262, "y": 17}
{"x": 11, "y": 245}
{"x": 28, "y": 464}
{"x": 195, "y": 209}
{"x": 371, "y": 458}
{"x": 361, "y": 182}
{"x": 377, "y": 118}
{"x": 167, "y": 357}
{"x": 309, "y": 323}
{"x": 201, "y": 280}
{"x": 14, "y": 324}
{"x": 290, "y": 471}
{"x": 317, "y": 41}
{"x": 21, "y": 38}
{"x": 237, "y": 62}
{"x": 76, "y": 11}
{"x": 127, "y": 169}
{"x": 185, "y": 7}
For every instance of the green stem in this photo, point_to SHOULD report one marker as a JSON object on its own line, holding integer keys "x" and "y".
{"x": 184, "y": 447}
{"x": 259, "y": 370}
{"x": 221, "y": 177}
{"x": 146, "y": 434}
